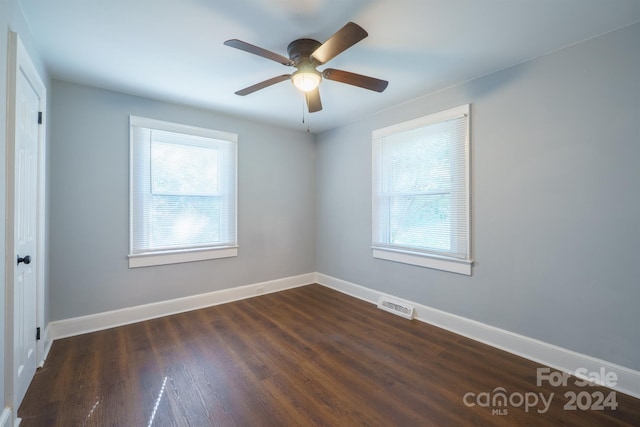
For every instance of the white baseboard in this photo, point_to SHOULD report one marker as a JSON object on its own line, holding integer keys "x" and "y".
{"x": 5, "y": 417}
{"x": 110, "y": 319}
{"x": 538, "y": 351}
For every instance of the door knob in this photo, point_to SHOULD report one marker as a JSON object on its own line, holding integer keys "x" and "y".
{"x": 26, "y": 260}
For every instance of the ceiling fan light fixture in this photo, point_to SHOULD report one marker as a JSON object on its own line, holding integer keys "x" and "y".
{"x": 306, "y": 81}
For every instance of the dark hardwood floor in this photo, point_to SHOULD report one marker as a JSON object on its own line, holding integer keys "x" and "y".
{"x": 302, "y": 357}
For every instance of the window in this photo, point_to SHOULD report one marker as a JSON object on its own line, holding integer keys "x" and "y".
{"x": 183, "y": 193}
{"x": 421, "y": 192}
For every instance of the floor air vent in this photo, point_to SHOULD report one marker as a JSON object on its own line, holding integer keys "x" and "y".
{"x": 396, "y": 307}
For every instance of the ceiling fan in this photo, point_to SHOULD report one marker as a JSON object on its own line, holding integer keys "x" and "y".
{"x": 307, "y": 54}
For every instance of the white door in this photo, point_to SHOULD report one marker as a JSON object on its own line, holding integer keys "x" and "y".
{"x": 25, "y": 146}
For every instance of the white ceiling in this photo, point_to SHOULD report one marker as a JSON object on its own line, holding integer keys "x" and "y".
{"x": 173, "y": 49}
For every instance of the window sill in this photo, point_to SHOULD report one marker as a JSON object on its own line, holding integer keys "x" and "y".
{"x": 452, "y": 265}
{"x": 175, "y": 257}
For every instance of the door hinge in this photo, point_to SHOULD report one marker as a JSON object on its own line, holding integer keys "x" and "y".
{"x": 37, "y": 333}
{"x": 39, "y": 117}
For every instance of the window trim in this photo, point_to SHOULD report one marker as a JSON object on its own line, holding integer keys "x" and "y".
{"x": 181, "y": 255}
{"x": 450, "y": 264}
{"x": 416, "y": 257}
{"x": 174, "y": 256}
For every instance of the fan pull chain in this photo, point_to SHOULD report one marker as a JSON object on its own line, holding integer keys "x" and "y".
{"x": 304, "y": 104}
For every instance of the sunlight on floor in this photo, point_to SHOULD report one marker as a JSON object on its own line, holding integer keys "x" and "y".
{"x": 155, "y": 407}
{"x": 91, "y": 411}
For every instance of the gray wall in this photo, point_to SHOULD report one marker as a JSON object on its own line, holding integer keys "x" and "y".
{"x": 90, "y": 205}
{"x": 11, "y": 19}
{"x": 556, "y": 201}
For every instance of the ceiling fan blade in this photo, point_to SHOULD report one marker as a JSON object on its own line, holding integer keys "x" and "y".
{"x": 313, "y": 100}
{"x": 239, "y": 44}
{"x": 354, "y": 79}
{"x": 262, "y": 85}
{"x": 342, "y": 40}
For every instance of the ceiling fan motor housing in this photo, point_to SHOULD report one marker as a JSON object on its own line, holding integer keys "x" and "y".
{"x": 306, "y": 78}
{"x": 301, "y": 49}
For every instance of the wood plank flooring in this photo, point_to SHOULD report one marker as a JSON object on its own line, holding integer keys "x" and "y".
{"x": 303, "y": 357}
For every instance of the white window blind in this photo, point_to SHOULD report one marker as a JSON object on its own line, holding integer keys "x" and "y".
{"x": 421, "y": 189}
{"x": 183, "y": 192}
